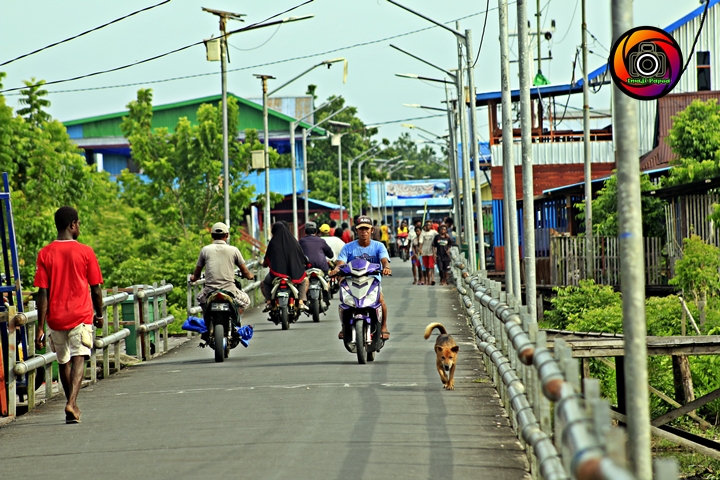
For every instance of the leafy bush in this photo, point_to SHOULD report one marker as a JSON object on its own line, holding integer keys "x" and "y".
{"x": 576, "y": 300}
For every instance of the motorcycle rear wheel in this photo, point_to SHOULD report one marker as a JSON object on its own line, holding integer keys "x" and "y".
{"x": 360, "y": 348}
{"x": 219, "y": 343}
{"x": 285, "y": 318}
{"x": 315, "y": 309}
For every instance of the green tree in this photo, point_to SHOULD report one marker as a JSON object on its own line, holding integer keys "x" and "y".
{"x": 698, "y": 272}
{"x": 185, "y": 167}
{"x": 46, "y": 172}
{"x": 605, "y": 214}
{"x": 695, "y": 138}
{"x": 420, "y": 163}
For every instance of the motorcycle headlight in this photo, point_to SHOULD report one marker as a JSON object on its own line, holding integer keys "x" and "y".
{"x": 346, "y": 298}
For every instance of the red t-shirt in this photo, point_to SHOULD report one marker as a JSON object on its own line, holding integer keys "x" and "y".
{"x": 347, "y": 236}
{"x": 69, "y": 267}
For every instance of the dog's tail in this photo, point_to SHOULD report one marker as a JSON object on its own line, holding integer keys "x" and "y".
{"x": 429, "y": 329}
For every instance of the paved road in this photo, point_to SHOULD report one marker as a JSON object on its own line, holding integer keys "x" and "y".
{"x": 295, "y": 405}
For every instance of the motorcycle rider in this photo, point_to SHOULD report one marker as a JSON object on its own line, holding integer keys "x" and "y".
{"x": 333, "y": 242}
{"x": 219, "y": 260}
{"x": 402, "y": 232}
{"x": 286, "y": 259}
{"x": 317, "y": 251}
{"x": 372, "y": 251}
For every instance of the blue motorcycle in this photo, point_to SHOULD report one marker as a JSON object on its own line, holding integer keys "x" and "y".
{"x": 360, "y": 309}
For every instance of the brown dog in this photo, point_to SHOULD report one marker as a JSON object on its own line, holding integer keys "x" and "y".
{"x": 446, "y": 351}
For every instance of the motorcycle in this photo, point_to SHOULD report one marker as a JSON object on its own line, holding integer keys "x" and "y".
{"x": 360, "y": 309}
{"x": 318, "y": 293}
{"x": 221, "y": 319}
{"x": 404, "y": 247}
{"x": 285, "y": 300}
{"x": 333, "y": 282}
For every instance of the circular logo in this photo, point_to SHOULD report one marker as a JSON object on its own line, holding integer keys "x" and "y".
{"x": 645, "y": 63}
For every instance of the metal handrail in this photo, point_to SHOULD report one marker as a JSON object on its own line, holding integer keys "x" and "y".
{"x": 519, "y": 362}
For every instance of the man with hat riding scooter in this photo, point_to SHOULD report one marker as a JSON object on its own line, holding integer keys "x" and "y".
{"x": 370, "y": 250}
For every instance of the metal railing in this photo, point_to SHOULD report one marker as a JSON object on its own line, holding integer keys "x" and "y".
{"x": 577, "y": 441}
{"x": 251, "y": 288}
{"x": 142, "y": 295}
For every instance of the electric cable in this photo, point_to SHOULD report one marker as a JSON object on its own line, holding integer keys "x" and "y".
{"x": 697, "y": 36}
{"x": 259, "y": 46}
{"x": 276, "y": 62}
{"x": 482, "y": 37}
{"x": 85, "y": 32}
{"x": 407, "y": 119}
{"x": 156, "y": 57}
{"x": 571, "y": 20}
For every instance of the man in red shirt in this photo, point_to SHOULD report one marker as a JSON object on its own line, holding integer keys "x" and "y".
{"x": 65, "y": 268}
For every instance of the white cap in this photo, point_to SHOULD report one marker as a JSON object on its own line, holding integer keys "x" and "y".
{"x": 220, "y": 227}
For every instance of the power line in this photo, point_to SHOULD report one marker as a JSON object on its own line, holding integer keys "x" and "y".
{"x": 276, "y": 62}
{"x": 482, "y": 37}
{"x": 85, "y": 32}
{"x": 372, "y": 124}
{"x": 571, "y": 20}
{"x": 156, "y": 57}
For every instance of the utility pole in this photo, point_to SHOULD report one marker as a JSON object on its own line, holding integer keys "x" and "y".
{"x": 469, "y": 222}
{"x": 512, "y": 263}
{"x": 527, "y": 166}
{"x": 266, "y": 213}
{"x": 589, "y": 241}
{"x": 631, "y": 263}
{"x": 223, "y": 17}
{"x": 293, "y": 165}
{"x": 475, "y": 153}
{"x": 452, "y": 159}
{"x": 539, "y": 36}
{"x": 305, "y": 174}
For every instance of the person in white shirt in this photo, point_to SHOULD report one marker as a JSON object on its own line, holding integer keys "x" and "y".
{"x": 428, "y": 255}
{"x": 335, "y": 243}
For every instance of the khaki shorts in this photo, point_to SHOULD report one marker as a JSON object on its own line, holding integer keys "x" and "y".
{"x": 70, "y": 343}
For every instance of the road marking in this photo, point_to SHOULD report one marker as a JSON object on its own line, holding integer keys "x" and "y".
{"x": 286, "y": 387}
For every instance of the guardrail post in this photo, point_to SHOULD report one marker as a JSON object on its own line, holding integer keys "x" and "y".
{"x": 32, "y": 375}
{"x": 136, "y": 308}
{"x": 164, "y": 315}
{"x": 146, "y": 335}
{"x": 116, "y": 328}
{"x": 543, "y": 412}
{"x": 12, "y": 354}
{"x": 156, "y": 317}
{"x": 105, "y": 332}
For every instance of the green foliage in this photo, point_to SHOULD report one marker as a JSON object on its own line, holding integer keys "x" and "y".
{"x": 697, "y": 272}
{"x": 185, "y": 168}
{"x": 572, "y": 302}
{"x": 605, "y": 214}
{"x": 695, "y": 138}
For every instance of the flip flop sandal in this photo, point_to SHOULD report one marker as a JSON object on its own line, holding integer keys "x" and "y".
{"x": 385, "y": 335}
{"x": 71, "y": 418}
{"x": 340, "y": 335}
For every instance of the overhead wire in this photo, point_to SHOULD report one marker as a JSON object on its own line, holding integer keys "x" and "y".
{"x": 482, "y": 37}
{"x": 85, "y": 32}
{"x": 571, "y": 20}
{"x": 275, "y": 62}
{"x": 156, "y": 57}
{"x": 258, "y": 46}
{"x": 406, "y": 119}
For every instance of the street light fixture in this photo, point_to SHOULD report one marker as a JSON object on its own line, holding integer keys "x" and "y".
{"x": 224, "y": 16}
{"x": 266, "y": 156}
{"x": 335, "y": 141}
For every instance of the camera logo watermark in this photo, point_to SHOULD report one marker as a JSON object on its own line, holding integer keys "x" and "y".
{"x": 645, "y": 63}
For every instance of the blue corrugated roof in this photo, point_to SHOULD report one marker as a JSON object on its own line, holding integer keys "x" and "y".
{"x": 330, "y": 205}
{"x": 549, "y": 90}
{"x": 280, "y": 180}
{"x": 551, "y": 190}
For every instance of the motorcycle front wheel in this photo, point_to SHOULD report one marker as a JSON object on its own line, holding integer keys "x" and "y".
{"x": 360, "y": 342}
{"x": 219, "y": 343}
{"x": 284, "y": 318}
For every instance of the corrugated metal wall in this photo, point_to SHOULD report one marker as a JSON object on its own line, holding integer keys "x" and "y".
{"x": 557, "y": 153}
{"x": 709, "y": 41}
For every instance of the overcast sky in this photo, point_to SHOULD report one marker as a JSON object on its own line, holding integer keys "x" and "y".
{"x": 340, "y": 25}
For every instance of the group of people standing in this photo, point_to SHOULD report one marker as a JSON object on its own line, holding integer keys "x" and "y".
{"x": 429, "y": 248}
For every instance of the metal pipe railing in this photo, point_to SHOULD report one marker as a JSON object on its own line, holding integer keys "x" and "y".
{"x": 142, "y": 296}
{"x": 572, "y": 443}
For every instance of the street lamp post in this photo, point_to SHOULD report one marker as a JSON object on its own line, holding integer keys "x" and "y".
{"x": 266, "y": 155}
{"x": 336, "y": 141}
{"x": 466, "y": 39}
{"x": 350, "y": 163}
{"x": 224, "y": 16}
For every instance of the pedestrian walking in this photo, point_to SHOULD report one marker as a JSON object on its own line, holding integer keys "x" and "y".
{"x": 65, "y": 268}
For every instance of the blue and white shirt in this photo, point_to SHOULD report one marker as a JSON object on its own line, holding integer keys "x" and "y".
{"x": 373, "y": 253}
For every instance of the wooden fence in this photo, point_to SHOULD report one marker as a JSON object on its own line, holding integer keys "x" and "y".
{"x": 566, "y": 264}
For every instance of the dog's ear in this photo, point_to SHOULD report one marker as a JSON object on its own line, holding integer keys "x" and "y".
{"x": 455, "y": 349}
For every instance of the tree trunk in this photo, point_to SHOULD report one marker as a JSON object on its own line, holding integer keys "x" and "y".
{"x": 682, "y": 380}
{"x": 701, "y": 309}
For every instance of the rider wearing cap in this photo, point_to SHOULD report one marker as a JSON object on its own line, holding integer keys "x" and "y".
{"x": 315, "y": 248}
{"x": 334, "y": 242}
{"x": 370, "y": 250}
{"x": 219, "y": 260}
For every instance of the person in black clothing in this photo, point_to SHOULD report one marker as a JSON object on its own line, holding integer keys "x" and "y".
{"x": 286, "y": 259}
{"x": 441, "y": 244}
{"x": 316, "y": 249}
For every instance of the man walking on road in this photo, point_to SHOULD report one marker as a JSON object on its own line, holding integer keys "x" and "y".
{"x": 428, "y": 255}
{"x": 65, "y": 268}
